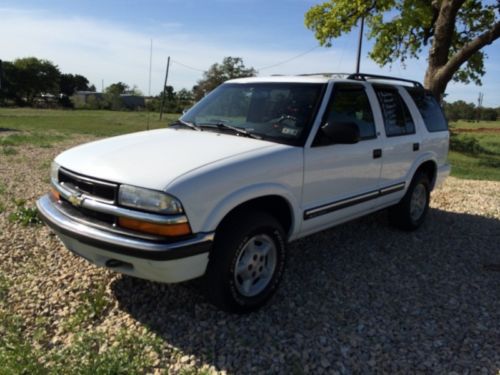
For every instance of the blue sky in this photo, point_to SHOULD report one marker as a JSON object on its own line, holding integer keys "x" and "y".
{"x": 110, "y": 41}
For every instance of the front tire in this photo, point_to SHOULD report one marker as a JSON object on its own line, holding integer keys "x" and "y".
{"x": 246, "y": 262}
{"x": 410, "y": 213}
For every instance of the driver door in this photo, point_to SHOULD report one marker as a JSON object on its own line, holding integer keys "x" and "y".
{"x": 341, "y": 181}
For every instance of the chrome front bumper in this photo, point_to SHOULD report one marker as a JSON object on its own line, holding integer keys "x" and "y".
{"x": 118, "y": 243}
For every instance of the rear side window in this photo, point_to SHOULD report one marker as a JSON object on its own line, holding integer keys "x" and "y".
{"x": 430, "y": 110}
{"x": 397, "y": 118}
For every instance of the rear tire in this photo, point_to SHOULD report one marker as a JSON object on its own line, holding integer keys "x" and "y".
{"x": 246, "y": 262}
{"x": 410, "y": 213}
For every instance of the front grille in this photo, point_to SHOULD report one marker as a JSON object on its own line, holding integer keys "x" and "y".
{"x": 101, "y": 190}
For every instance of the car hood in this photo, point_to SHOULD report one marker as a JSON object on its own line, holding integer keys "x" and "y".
{"x": 153, "y": 159}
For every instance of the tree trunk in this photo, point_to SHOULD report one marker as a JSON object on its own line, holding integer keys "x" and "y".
{"x": 441, "y": 66}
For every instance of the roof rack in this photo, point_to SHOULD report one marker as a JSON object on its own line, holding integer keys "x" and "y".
{"x": 343, "y": 75}
{"x": 363, "y": 77}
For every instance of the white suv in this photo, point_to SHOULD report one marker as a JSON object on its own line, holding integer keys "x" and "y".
{"x": 257, "y": 163}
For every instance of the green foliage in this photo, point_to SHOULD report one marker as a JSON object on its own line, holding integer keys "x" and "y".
{"x": 69, "y": 84}
{"x": 4, "y": 288}
{"x": 17, "y": 355}
{"x": 43, "y": 140}
{"x": 175, "y": 102}
{"x": 231, "y": 67}
{"x": 30, "y": 77}
{"x": 466, "y": 144}
{"x": 403, "y": 28}
{"x": 476, "y": 155}
{"x": 93, "y": 304}
{"x": 461, "y": 110}
{"x": 91, "y": 354}
{"x": 117, "y": 88}
{"x": 7, "y": 150}
{"x": 25, "y": 215}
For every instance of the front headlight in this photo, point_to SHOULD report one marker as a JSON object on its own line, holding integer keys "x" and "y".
{"x": 148, "y": 200}
{"x": 54, "y": 171}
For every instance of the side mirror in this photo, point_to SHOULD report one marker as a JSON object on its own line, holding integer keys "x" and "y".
{"x": 342, "y": 132}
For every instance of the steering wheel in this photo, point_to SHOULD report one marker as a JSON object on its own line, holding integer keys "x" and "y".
{"x": 281, "y": 121}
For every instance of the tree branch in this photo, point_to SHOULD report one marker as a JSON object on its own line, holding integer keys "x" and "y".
{"x": 443, "y": 32}
{"x": 465, "y": 53}
{"x": 428, "y": 32}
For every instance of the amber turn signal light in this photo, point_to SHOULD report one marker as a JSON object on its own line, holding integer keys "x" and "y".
{"x": 55, "y": 194}
{"x": 169, "y": 230}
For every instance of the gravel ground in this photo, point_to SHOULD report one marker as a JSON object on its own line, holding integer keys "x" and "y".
{"x": 362, "y": 297}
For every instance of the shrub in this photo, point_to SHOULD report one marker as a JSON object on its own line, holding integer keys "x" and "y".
{"x": 466, "y": 144}
{"x": 25, "y": 216}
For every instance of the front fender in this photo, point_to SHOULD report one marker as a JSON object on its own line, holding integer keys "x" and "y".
{"x": 238, "y": 197}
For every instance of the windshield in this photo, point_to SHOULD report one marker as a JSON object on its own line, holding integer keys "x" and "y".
{"x": 280, "y": 112}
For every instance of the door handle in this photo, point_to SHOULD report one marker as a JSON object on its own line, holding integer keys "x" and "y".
{"x": 416, "y": 146}
{"x": 377, "y": 153}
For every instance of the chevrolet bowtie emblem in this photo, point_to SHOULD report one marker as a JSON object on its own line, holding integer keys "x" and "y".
{"x": 75, "y": 200}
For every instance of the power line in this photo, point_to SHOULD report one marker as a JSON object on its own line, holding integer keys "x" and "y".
{"x": 259, "y": 69}
{"x": 187, "y": 66}
{"x": 288, "y": 60}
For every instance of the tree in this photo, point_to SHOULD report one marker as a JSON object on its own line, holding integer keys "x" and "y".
{"x": 231, "y": 67}
{"x": 118, "y": 88}
{"x": 460, "y": 110}
{"x": 454, "y": 30}
{"x": 30, "y": 77}
{"x": 488, "y": 114}
{"x": 70, "y": 83}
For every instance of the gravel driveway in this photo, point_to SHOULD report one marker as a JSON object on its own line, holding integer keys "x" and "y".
{"x": 362, "y": 297}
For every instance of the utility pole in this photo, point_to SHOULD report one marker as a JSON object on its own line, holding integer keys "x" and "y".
{"x": 149, "y": 82}
{"x": 479, "y": 105}
{"x": 164, "y": 88}
{"x": 150, "y": 67}
{"x": 360, "y": 43}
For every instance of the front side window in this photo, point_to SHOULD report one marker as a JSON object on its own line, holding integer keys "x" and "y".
{"x": 397, "y": 118}
{"x": 349, "y": 104}
{"x": 280, "y": 112}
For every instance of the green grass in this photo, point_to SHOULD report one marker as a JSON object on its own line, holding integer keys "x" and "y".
{"x": 98, "y": 123}
{"x": 25, "y": 215}
{"x": 93, "y": 304}
{"x": 475, "y": 155}
{"x": 89, "y": 352}
{"x": 462, "y": 124}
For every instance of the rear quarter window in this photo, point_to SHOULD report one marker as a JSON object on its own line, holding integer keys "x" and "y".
{"x": 430, "y": 110}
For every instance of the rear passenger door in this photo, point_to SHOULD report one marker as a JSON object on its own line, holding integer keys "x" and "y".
{"x": 402, "y": 142}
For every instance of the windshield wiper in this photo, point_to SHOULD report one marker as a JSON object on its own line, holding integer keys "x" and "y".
{"x": 222, "y": 125}
{"x": 188, "y": 124}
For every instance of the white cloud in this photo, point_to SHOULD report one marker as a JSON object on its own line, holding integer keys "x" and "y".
{"x": 102, "y": 50}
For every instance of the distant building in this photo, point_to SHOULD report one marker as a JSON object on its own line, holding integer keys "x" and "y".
{"x": 133, "y": 101}
{"x": 92, "y": 99}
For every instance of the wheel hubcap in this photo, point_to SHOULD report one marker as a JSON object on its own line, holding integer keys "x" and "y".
{"x": 418, "y": 202}
{"x": 255, "y": 265}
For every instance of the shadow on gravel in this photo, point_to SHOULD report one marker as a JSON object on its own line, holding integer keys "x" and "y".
{"x": 359, "y": 297}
